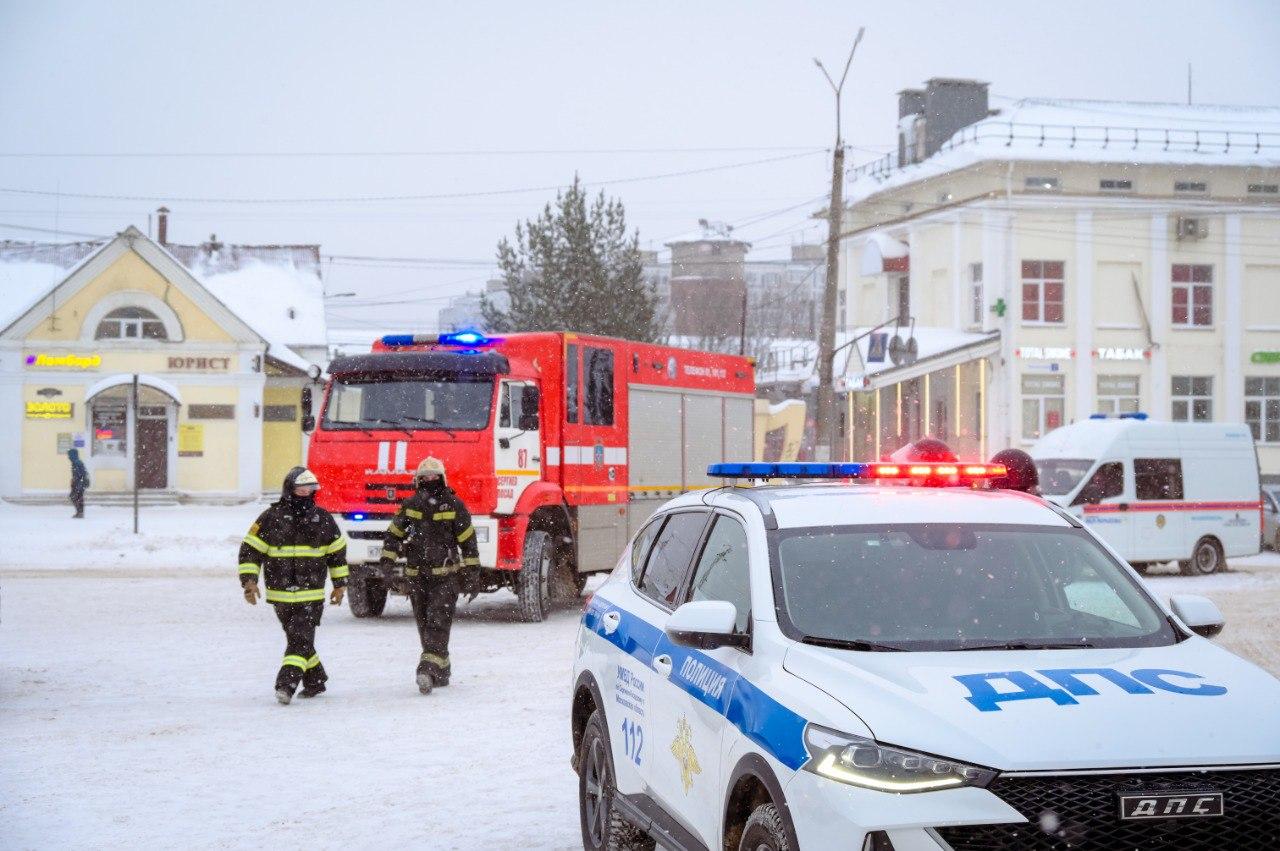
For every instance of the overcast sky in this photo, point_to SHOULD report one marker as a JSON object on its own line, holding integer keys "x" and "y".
{"x": 307, "y": 101}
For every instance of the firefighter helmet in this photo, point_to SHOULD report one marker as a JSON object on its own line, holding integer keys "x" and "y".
{"x": 1021, "y": 473}
{"x": 299, "y": 477}
{"x": 430, "y": 466}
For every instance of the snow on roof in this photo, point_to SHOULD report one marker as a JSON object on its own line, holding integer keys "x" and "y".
{"x": 275, "y": 289}
{"x": 22, "y": 284}
{"x": 1059, "y": 130}
{"x": 791, "y": 361}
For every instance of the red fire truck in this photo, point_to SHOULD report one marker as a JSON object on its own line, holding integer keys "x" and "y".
{"x": 560, "y": 444}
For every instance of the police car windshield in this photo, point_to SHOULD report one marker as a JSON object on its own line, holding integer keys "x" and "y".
{"x": 1060, "y": 476}
{"x": 959, "y": 587}
{"x": 453, "y": 403}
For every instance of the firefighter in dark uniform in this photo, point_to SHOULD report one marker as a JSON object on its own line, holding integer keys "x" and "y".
{"x": 295, "y": 543}
{"x": 433, "y": 531}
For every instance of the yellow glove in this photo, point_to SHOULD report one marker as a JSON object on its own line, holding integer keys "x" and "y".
{"x": 337, "y": 594}
{"x": 251, "y": 593}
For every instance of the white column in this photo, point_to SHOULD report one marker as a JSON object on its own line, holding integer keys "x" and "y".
{"x": 997, "y": 262}
{"x": 1232, "y": 394}
{"x": 958, "y": 300}
{"x": 249, "y": 426}
{"x": 1160, "y": 299}
{"x": 1083, "y": 298}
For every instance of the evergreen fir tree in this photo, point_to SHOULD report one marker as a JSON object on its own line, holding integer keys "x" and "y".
{"x": 575, "y": 268}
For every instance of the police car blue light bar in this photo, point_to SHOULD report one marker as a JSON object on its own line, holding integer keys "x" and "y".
{"x": 853, "y": 470}
{"x": 1130, "y": 415}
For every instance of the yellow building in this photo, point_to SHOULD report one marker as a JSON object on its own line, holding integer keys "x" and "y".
{"x": 217, "y": 343}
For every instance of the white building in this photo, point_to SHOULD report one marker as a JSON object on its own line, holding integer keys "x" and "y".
{"x": 1082, "y": 256}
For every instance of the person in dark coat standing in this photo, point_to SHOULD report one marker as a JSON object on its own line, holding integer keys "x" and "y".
{"x": 79, "y": 481}
{"x": 433, "y": 531}
{"x": 1020, "y": 472}
{"x": 294, "y": 543}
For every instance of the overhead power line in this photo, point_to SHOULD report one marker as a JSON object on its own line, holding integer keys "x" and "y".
{"x": 364, "y": 199}
{"x": 474, "y": 152}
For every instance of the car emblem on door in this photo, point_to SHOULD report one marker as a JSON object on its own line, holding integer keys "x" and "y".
{"x": 391, "y": 494}
{"x": 682, "y": 750}
{"x": 1140, "y": 806}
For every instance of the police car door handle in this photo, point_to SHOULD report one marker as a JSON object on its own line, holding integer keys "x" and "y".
{"x": 1122, "y": 506}
{"x": 611, "y": 621}
{"x": 662, "y": 664}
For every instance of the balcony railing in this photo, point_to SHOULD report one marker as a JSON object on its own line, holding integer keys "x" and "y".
{"x": 1087, "y": 138}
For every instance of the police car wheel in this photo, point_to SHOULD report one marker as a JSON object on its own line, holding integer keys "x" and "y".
{"x": 533, "y": 583}
{"x": 764, "y": 831}
{"x": 1206, "y": 559}
{"x": 603, "y": 828}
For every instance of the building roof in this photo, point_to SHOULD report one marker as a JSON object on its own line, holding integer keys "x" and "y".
{"x": 1122, "y": 132}
{"x": 275, "y": 289}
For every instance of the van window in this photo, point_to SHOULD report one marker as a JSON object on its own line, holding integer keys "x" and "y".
{"x": 1107, "y": 482}
{"x": 670, "y": 556}
{"x": 1157, "y": 478}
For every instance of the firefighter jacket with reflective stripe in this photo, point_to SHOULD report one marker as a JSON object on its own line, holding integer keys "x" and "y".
{"x": 433, "y": 531}
{"x": 294, "y": 544}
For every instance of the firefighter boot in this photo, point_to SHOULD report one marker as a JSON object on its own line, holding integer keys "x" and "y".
{"x": 424, "y": 682}
{"x": 284, "y": 695}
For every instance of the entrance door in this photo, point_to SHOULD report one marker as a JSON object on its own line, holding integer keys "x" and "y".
{"x": 151, "y": 453}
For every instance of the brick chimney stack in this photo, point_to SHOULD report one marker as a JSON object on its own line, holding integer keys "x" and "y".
{"x": 162, "y": 225}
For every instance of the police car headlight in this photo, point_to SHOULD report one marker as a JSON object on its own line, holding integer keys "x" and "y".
{"x": 867, "y": 763}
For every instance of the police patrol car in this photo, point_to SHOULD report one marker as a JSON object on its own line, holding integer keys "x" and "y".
{"x": 911, "y": 662}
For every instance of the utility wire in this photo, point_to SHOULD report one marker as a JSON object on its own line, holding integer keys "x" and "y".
{"x": 475, "y": 152}
{"x": 362, "y": 199}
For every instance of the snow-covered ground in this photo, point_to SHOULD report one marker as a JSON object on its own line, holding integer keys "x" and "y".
{"x": 135, "y": 699}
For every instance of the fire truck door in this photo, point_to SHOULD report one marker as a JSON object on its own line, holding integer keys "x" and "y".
{"x": 516, "y": 452}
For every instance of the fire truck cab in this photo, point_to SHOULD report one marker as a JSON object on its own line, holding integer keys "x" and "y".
{"x": 560, "y": 444}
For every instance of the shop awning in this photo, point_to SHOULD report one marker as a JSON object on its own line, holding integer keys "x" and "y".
{"x": 938, "y": 348}
{"x": 882, "y": 253}
{"x": 144, "y": 380}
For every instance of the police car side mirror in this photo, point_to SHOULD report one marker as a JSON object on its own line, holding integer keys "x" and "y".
{"x": 706, "y": 625}
{"x": 1199, "y": 614}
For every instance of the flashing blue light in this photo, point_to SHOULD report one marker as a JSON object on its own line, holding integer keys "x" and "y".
{"x": 1134, "y": 415}
{"x": 463, "y": 338}
{"x": 398, "y": 340}
{"x": 356, "y": 516}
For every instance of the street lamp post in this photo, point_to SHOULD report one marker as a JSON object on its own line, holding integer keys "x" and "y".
{"x": 827, "y": 329}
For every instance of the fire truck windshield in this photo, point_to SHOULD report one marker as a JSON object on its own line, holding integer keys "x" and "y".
{"x": 454, "y": 403}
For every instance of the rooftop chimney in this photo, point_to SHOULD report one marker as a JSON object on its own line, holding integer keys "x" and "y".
{"x": 162, "y": 226}
{"x": 928, "y": 117}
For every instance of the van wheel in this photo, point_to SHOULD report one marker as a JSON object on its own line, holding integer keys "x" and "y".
{"x": 1141, "y": 566}
{"x": 1206, "y": 558}
{"x": 1275, "y": 543}
{"x": 764, "y": 831}
{"x": 603, "y": 828}
{"x": 533, "y": 583}
{"x": 366, "y": 595}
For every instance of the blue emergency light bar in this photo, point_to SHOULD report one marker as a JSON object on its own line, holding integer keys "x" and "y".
{"x": 1131, "y": 415}
{"x": 853, "y": 470}
{"x": 457, "y": 338}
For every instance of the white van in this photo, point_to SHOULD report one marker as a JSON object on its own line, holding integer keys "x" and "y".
{"x": 1157, "y": 491}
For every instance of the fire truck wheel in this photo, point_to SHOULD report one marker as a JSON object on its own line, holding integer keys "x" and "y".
{"x": 533, "y": 583}
{"x": 367, "y": 596}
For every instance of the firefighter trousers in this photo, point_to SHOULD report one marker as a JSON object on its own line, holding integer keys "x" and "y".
{"x": 434, "y": 601}
{"x": 301, "y": 662}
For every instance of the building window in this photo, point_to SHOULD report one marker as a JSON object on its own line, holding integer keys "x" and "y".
{"x": 975, "y": 294}
{"x": 1195, "y": 186}
{"x": 1043, "y": 291}
{"x": 1041, "y": 184}
{"x": 1110, "y": 185}
{"x": 110, "y": 428}
{"x": 130, "y": 323}
{"x": 900, "y": 298}
{"x": 280, "y": 413}
{"x": 211, "y": 412}
{"x": 1264, "y": 188}
{"x": 1043, "y": 403}
{"x": 1192, "y": 397}
{"x": 1192, "y": 295}
{"x": 1262, "y": 408}
{"x": 1118, "y": 394}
